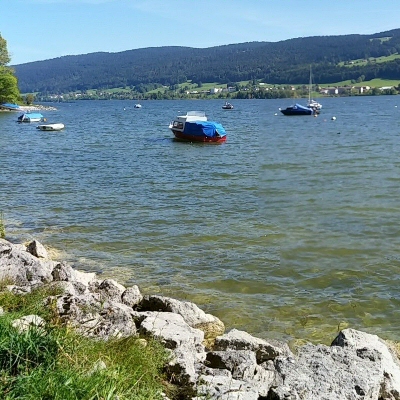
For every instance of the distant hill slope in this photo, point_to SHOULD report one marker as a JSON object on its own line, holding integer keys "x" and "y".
{"x": 286, "y": 61}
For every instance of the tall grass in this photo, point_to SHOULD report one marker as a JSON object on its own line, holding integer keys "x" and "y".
{"x": 2, "y": 226}
{"x": 56, "y": 363}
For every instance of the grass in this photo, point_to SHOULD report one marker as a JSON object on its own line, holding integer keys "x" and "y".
{"x": 2, "y": 226}
{"x": 56, "y": 363}
{"x": 363, "y": 61}
{"x": 372, "y": 83}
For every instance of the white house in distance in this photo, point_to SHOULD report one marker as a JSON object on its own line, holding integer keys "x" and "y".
{"x": 364, "y": 89}
{"x": 215, "y": 90}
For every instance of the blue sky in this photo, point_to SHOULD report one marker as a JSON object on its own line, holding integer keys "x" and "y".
{"x": 43, "y": 29}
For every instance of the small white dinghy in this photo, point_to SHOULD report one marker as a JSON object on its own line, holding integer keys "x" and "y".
{"x": 51, "y": 127}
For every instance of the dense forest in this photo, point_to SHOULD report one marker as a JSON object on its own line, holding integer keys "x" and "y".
{"x": 284, "y": 62}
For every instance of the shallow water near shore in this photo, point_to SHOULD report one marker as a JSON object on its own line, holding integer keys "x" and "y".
{"x": 289, "y": 230}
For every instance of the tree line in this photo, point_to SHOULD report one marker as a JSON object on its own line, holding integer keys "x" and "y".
{"x": 9, "y": 92}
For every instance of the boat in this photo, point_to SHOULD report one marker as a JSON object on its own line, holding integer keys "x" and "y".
{"x": 31, "y": 117}
{"x": 10, "y": 107}
{"x": 312, "y": 107}
{"x": 195, "y": 127}
{"x": 137, "y": 106}
{"x": 227, "y": 106}
{"x": 311, "y": 102}
{"x": 298, "y": 109}
{"x": 51, "y": 127}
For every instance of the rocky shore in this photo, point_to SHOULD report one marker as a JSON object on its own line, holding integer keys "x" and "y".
{"x": 206, "y": 361}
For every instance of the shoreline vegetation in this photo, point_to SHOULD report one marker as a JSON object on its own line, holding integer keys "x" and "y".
{"x": 211, "y": 91}
{"x": 233, "y": 91}
{"x": 222, "y": 93}
{"x": 66, "y": 334}
{"x": 200, "y": 96}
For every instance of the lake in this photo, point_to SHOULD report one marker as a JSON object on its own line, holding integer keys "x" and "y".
{"x": 289, "y": 230}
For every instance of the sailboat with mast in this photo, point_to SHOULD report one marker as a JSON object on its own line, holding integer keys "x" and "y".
{"x": 312, "y": 107}
{"x": 313, "y": 104}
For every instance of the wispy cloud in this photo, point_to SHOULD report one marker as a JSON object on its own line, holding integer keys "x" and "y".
{"x": 72, "y": 1}
{"x": 213, "y": 12}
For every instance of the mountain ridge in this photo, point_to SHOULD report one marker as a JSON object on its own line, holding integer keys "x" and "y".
{"x": 286, "y": 61}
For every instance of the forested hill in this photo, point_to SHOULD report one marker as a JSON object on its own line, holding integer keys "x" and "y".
{"x": 285, "y": 62}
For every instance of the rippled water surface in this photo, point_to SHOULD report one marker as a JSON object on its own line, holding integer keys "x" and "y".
{"x": 289, "y": 230}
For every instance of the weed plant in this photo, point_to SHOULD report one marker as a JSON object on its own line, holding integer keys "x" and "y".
{"x": 2, "y": 226}
{"x": 56, "y": 363}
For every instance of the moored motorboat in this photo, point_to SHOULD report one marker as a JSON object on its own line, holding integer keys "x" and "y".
{"x": 31, "y": 117}
{"x": 194, "y": 127}
{"x": 227, "y": 106}
{"x": 51, "y": 127}
{"x": 137, "y": 105}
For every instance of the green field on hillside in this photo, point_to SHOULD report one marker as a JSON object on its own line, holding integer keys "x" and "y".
{"x": 373, "y": 60}
{"x": 372, "y": 83}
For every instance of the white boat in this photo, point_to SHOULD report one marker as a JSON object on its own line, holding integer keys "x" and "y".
{"x": 314, "y": 105}
{"x": 51, "y": 127}
{"x": 227, "y": 106}
{"x": 311, "y": 102}
{"x": 137, "y": 106}
{"x": 179, "y": 122}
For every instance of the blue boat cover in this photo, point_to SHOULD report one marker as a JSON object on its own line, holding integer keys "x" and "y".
{"x": 204, "y": 128}
{"x": 33, "y": 115}
{"x": 29, "y": 116}
{"x": 300, "y": 107}
{"x": 10, "y": 106}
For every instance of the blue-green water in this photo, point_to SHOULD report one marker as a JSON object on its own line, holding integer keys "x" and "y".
{"x": 289, "y": 230}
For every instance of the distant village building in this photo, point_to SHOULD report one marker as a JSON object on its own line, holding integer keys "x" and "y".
{"x": 344, "y": 89}
{"x": 215, "y": 90}
{"x": 362, "y": 89}
{"x": 332, "y": 91}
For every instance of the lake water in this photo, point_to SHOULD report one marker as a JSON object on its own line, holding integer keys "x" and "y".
{"x": 289, "y": 230}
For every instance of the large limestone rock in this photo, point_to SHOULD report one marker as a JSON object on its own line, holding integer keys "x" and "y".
{"x": 371, "y": 347}
{"x": 37, "y": 249}
{"x": 191, "y": 313}
{"x": 184, "y": 341}
{"x": 240, "y": 340}
{"x": 357, "y": 366}
{"x": 22, "y": 268}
